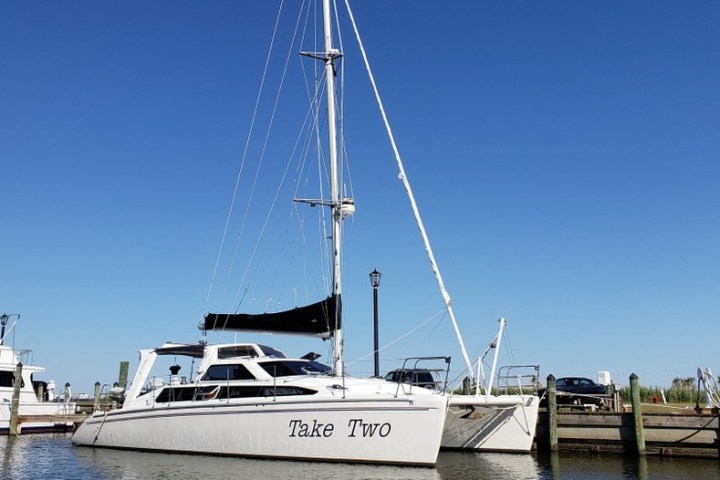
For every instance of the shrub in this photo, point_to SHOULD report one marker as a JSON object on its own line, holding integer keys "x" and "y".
{"x": 681, "y": 391}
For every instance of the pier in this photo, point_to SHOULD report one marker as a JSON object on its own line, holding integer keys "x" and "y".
{"x": 50, "y": 423}
{"x": 690, "y": 432}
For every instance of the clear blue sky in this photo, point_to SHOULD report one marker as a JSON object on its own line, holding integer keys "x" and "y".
{"x": 564, "y": 155}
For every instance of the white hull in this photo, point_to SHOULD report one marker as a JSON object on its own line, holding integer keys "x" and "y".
{"x": 34, "y": 415}
{"x": 37, "y": 418}
{"x": 505, "y": 423}
{"x": 371, "y": 428}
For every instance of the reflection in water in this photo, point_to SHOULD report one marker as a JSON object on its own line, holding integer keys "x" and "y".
{"x": 37, "y": 456}
{"x": 128, "y": 465}
{"x": 52, "y": 457}
{"x": 615, "y": 467}
{"x": 456, "y": 465}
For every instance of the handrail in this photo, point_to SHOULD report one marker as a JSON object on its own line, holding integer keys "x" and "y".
{"x": 414, "y": 367}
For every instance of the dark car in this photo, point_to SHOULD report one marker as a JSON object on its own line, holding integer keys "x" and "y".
{"x": 414, "y": 376}
{"x": 576, "y": 385}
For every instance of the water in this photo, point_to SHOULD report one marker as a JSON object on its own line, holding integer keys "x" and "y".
{"x": 53, "y": 457}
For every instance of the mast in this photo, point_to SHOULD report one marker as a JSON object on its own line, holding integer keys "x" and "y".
{"x": 335, "y": 201}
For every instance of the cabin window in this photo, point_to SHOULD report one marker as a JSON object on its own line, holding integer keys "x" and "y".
{"x": 260, "y": 391}
{"x": 237, "y": 351}
{"x": 7, "y": 379}
{"x": 228, "y": 372}
{"x": 271, "y": 352}
{"x": 214, "y": 392}
{"x": 287, "y": 368}
{"x": 176, "y": 394}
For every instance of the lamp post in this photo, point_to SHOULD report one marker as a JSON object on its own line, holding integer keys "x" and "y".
{"x": 4, "y": 320}
{"x": 375, "y": 282}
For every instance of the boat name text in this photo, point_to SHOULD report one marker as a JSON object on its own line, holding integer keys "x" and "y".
{"x": 356, "y": 428}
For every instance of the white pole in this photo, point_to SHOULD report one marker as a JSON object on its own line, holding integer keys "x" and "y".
{"x": 498, "y": 338}
{"x": 336, "y": 206}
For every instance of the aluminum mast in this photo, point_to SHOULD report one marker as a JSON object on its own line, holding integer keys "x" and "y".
{"x": 335, "y": 200}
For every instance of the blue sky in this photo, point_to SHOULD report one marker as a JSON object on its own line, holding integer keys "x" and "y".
{"x": 564, "y": 156}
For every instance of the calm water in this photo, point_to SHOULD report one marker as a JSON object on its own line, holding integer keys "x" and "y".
{"x": 53, "y": 457}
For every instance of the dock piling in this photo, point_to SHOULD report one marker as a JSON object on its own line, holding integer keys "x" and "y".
{"x": 96, "y": 398}
{"x": 15, "y": 406}
{"x": 637, "y": 414}
{"x": 552, "y": 413}
{"x": 123, "y": 375}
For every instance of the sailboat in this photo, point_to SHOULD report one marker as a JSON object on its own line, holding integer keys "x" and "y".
{"x": 251, "y": 400}
{"x": 475, "y": 421}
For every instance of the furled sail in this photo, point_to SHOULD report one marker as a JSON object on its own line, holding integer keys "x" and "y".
{"x": 318, "y": 319}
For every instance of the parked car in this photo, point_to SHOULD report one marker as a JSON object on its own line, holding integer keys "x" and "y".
{"x": 414, "y": 376}
{"x": 579, "y": 385}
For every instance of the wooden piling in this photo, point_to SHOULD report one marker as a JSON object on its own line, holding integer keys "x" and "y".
{"x": 637, "y": 415}
{"x": 15, "y": 406}
{"x": 123, "y": 376}
{"x": 96, "y": 398}
{"x": 552, "y": 413}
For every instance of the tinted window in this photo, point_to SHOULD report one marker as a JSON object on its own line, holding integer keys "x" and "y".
{"x": 415, "y": 377}
{"x": 228, "y": 372}
{"x": 7, "y": 379}
{"x": 178, "y": 394}
{"x": 271, "y": 352}
{"x": 237, "y": 351}
{"x": 212, "y": 392}
{"x": 293, "y": 367}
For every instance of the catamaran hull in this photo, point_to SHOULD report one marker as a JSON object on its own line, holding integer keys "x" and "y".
{"x": 501, "y": 424}
{"x": 388, "y": 431}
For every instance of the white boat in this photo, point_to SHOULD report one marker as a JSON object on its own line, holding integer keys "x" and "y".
{"x": 249, "y": 400}
{"x": 500, "y": 422}
{"x": 498, "y": 413}
{"x": 37, "y": 409}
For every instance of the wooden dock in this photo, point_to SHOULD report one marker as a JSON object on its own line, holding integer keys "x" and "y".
{"x": 27, "y": 424}
{"x": 687, "y": 433}
{"x": 75, "y": 418}
{"x": 665, "y": 435}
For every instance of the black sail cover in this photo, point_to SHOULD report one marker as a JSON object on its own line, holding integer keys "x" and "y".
{"x": 318, "y": 319}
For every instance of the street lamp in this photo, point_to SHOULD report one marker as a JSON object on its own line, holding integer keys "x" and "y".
{"x": 4, "y": 319}
{"x": 375, "y": 282}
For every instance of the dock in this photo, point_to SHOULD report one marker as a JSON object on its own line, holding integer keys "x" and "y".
{"x": 689, "y": 432}
{"x": 668, "y": 435}
{"x": 27, "y": 424}
{"x": 74, "y": 418}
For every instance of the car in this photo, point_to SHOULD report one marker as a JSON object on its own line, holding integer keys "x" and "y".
{"x": 414, "y": 376}
{"x": 588, "y": 392}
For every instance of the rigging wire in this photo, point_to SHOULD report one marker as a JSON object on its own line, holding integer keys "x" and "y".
{"x": 244, "y": 158}
{"x": 442, "y": 312}
{"x": 263, "y": 152}
{"x": 300, "y": 151}
{"x": 411, "y": 197}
